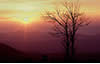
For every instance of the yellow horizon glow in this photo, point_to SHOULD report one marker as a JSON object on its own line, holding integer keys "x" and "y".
{"x": 27, "y": 11}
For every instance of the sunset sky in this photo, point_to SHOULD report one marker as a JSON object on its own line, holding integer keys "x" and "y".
{"x": 30, "y": 10}
{"x": 18, "y": 16}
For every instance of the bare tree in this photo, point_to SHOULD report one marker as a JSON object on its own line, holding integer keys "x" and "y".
{"x": 68, "y": 19}
{"x": 76, "y": 20}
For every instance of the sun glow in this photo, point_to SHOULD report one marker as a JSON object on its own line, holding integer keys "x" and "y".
{"x": 26, "y": 20}
{"x": 23, "y": 19}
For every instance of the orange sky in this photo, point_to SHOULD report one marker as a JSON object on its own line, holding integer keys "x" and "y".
{"x": 26, "y": 11}
{"x": 16, "y": 17}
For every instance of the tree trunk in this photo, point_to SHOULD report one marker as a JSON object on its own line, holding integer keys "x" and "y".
{"x": 67, "y": 41}
{"x": 67, "y": 44}
{"x": 67, "y": 55}
{"x": 73, "y": 50}
{"x": 67, "y": 50}
{"x": 73, "y": 35}
{"x": 72, "y": 47}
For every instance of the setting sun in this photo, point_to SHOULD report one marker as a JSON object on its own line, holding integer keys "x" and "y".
{"x": 26, "y": 19}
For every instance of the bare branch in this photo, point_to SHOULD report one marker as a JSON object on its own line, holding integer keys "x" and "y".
{"x": 55, "y": 19}
{"x": 60, "y": 16}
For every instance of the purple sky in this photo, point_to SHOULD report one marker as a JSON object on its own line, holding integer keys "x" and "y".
{"x": 37, "y": 39}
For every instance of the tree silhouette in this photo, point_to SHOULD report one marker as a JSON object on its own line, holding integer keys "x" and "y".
{"x": 67, "y": 19}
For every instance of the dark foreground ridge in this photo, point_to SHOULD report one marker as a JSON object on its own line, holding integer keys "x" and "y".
{"x": 11, "y": 55}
